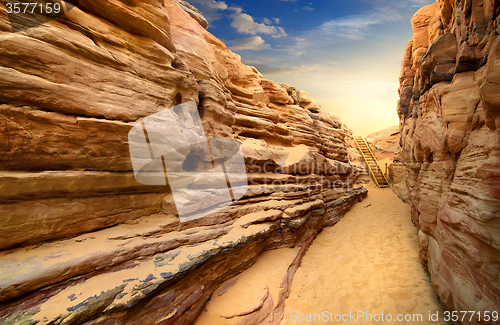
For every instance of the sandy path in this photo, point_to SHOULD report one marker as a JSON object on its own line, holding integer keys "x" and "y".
{"x": 258, "y": 289}
{"x": 368, "y": 262}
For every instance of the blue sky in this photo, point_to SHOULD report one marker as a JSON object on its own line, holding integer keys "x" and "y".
{"x": 347, "y": 54}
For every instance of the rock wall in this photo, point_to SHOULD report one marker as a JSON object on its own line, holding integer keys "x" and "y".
{"x": 384, "y": 143}
{"x": 81, "y": 241}
{"x": 449, "y": 111}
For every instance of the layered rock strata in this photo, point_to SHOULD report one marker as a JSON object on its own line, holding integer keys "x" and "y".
{"x": 449, "y": 111}
{"x": 82, "y": 242}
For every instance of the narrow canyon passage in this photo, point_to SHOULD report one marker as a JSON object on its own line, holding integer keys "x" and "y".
{"x": 366, "y": 263}
{"x": 150, "y": 173}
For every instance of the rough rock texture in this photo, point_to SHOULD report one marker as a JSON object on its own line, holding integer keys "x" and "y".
{"x": 258, "y": 295}
{"x": 384, "y": 143}
{"x": 81, "y": 241}
{"x": 193, "y": 12}
{"x": 397, "y": 174}
{"x": 449, "y": 112}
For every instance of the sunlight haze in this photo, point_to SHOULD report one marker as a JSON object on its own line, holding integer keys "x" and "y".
{"x": 346, "y": 54}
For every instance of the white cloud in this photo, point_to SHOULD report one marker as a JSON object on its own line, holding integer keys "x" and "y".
{"x": 308, "y": 8}
{"x": 210, "y": 8}
{"x": 281, "y": 32}
{"x": 276, "y": 20}
{"x": 357, "y": 26}
{"x": 266, "y": 21}
{"x": 258, "y": 60}
{"x": 289, "y": 0}
{"x": 354, "y": 27}
{"x": 254, "y": 43}
{"x": 245, "y": 24}
{"x": 403, "y": 5}
{"x": 303, "y": 68}
{"x": 421, "y": 3}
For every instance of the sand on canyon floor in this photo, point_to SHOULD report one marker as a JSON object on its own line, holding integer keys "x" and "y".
{"x": 365, "y": 265}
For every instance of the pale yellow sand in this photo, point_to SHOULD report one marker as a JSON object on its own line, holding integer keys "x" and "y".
{"x": 367, "y": 263}
{"x": 258, "y": 288}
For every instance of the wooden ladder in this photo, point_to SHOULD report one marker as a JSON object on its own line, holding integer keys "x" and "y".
{"x": 375, "y": 172}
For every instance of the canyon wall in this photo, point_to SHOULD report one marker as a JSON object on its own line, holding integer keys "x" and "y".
{"x": 449, "y": 111}
{"x": 384, "y": 143}
{"x": 81, "y": 241}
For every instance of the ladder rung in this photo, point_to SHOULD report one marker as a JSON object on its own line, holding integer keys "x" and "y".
{"x": 371, "y": 162}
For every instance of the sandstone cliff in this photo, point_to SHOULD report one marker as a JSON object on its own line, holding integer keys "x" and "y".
{"x": 449, "y": 111}
{"x": 81, "y": 241}
{"x": 384, "y": 143}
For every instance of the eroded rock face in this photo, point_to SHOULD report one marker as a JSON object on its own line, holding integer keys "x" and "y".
{"x": 81, "y": 241}
{"x": 449, "y": 119}
{"x": 384, "y": 143}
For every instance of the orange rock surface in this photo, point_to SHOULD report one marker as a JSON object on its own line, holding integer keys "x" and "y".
{"x": 81, "y": 241}
{"x": 450, "y": 122}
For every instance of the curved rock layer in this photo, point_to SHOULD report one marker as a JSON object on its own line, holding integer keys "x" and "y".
{"x": 81, "y": 241}
{"x": 449, "y": 111}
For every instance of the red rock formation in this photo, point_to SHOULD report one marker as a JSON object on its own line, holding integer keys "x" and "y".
{"x": 81, "y": 241}
{"x": 449, "y": 119}
{"x": 384, "y": 143}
